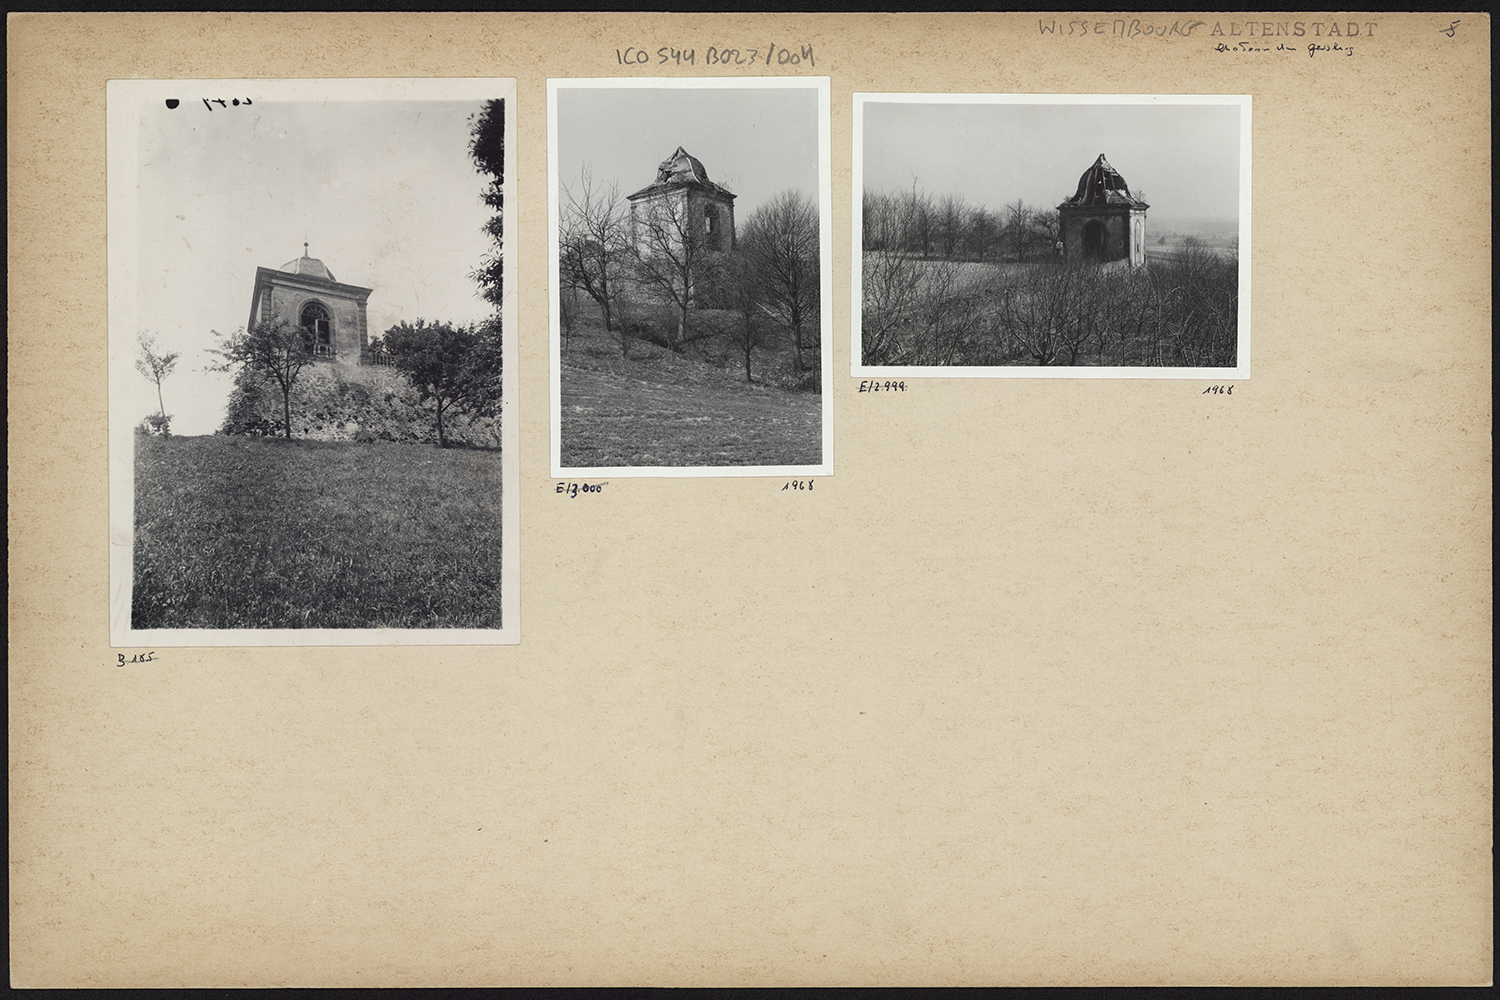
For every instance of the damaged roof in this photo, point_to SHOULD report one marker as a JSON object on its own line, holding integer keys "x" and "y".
{"x": 1101, "y": 184}
{"x": 681, "y": 170}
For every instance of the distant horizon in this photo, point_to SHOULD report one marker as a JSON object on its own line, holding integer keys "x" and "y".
{"x": 1190, "y": 224}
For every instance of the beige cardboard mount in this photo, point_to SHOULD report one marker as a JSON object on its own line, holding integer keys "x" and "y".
{"x": 1067, "y": 681}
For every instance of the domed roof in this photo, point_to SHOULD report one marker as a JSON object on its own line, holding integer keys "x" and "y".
{"x": 309, "y": 266}
{"x": 1101, "y": 184}
{"x": 681, "y": 169}
{"x": 680, "y": 166}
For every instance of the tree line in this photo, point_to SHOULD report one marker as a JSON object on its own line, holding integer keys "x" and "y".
{"x": 948, "y": 227}
{"x": 767, "y": 285}
{"x": 456, "y": 367}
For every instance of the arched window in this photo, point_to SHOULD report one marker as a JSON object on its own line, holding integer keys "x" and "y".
{"x": 319, "y": 324}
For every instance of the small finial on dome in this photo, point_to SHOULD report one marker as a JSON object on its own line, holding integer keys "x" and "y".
{"x": 304, "y": 249}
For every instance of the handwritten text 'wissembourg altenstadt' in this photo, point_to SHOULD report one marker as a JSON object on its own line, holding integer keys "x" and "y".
{"x": 1136, "y": 28}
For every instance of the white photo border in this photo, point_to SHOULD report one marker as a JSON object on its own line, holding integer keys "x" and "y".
{"x": 823, "y": 86}
{"x": 857, "y": 369}
{"x": 124, "y": 100}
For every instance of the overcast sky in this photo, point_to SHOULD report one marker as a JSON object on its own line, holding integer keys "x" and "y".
{"x": 755, "y": 141}
{"x": 1184, "y": 157}
{"x": 383, "y": 192}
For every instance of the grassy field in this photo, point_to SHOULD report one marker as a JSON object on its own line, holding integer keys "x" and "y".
{"x": 1163, "y": 246}
{"x": 660, "y": 408}
{"x": 235, "y": 532}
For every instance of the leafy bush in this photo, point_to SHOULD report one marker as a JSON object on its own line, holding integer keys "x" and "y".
{"x": 247, "y": 401}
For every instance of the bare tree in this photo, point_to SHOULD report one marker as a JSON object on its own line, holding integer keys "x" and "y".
{"x": 1035, "y": 311}
{"x": 154, "y": 366}
{"x": 667, "y": 252}
{"x": 1197, "y": 307}
{"x": 1043, "y": 227}
{"x": 947, "y": 315}
{"x": 746, "y": 290}
{"x": 781, "y": 240}
{"x": 884, "y": 221}
{"x": 916, "y": 221}
{"x": 873, "y": 224}
{"x": 919, "y": 312}
{"x": 1014, "y": 234}
{"x": 888, "y": 287}
{"x": 948, "y": 223}
{"x": 594, "y": 250}
{"x": 1181, "y": 311}
{"x": 567, "y": 310}
{"x": 1122, "y": 301}
{"x": 1076, "y": 314}
{"x": 981, "y": 232}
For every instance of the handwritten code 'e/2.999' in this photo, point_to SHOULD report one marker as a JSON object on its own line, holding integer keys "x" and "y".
{"x": 667, "y": 55}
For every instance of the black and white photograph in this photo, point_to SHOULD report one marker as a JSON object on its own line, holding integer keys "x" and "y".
{"x": 1051, "y": 236}
{"x": 690, "y": 276}
{"x": 312, "y": 424}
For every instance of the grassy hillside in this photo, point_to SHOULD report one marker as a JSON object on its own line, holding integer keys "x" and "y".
{"x": 661, "y": 408}
{"x": 236, "y": 532}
